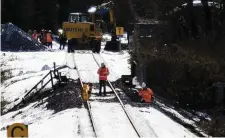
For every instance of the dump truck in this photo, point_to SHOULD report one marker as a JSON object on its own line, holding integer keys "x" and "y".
{"x": 81, "y": 33}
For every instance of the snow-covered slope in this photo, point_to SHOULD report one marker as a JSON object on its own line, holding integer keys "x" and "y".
{"x": 45, "y": 123}
{"x": 27, "y": 68}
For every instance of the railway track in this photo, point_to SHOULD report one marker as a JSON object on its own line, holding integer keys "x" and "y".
{"x": 87, "y": 103}
{"x": 117, "y": 96}
{"x": 135, "y": 133}
{"x": 93, "y": 104}
{"x": 119, "y": 99}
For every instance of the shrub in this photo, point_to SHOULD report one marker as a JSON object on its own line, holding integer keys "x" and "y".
{"x": 183, "y": 75}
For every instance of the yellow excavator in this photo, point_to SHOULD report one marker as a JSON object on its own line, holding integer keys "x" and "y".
{"x": 113, "y": 45}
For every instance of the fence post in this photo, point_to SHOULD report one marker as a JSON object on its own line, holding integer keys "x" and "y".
{"x": 59, "y": 76}
{"x": 41, "y": 83}
{"x": 54, "y": 68}
{"x": 51, "y": 79}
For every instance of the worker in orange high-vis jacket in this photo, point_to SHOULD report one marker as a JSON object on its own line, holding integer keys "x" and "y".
{"x": 49, "y": 39}
{"x": 145, "y": 94}
{"x": 103, "y": 72}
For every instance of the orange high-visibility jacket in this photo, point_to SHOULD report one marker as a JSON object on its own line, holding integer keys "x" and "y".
{"x": 146, "y": 95}
{"x": 49, "y": 37}
{"x": 44, "y": 37}
{"x": 103, "y": 73}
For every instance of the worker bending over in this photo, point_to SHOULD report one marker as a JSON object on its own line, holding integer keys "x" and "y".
{"x": 103, "y": 72}
{"x": 145, "y": 94}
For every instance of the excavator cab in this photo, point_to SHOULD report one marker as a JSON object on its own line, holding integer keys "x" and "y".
{"x": 101, "y": 25}
{"x": 78, "y": 17}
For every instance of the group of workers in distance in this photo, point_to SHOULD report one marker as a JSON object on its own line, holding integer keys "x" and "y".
{"x": 45, "y": 37}
{"x": 144, "y": 93}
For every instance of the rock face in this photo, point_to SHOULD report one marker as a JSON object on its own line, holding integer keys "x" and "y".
{"x": 15, "y": 39}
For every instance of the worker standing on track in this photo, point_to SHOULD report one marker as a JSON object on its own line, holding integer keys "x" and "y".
{"x": 49, "y": 39}
{"x": 145, "y": 94}
{"x": 103, "y": 73}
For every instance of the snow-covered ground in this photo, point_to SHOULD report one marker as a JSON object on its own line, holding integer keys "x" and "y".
{"x": 109, "y": 118}
{"x": 27, "y": 69}
{"x": 44, "y": 123}
{"x": 162, "y": 125}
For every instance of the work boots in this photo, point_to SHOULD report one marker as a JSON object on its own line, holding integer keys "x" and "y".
{"x": 104, "y": 94}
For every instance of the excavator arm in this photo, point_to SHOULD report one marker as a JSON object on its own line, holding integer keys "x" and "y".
{"x": 109, "y": 8}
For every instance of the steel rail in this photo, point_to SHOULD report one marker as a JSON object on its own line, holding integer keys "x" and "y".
{"x": 121, "y": 103}
{"x": 88, "y": 103}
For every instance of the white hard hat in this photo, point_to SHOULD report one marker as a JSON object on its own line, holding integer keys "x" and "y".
{"x": 60, "y": 31}
{"x": 143, "y": 85}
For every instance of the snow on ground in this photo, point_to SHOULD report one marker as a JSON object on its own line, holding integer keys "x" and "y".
{"x": 109, "y": 118}
{"x": 117, "y": 62}
{"x": 87, "y": 66}
{"x": 27, "y": 69}
{"x": 45, "y": 123}
{"x": 162, "y": 125}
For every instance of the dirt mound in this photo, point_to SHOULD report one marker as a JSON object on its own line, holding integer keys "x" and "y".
{"x": 15, "y": 39}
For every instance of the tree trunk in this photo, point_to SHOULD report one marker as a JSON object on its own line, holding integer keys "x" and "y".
{"x": 208, "y": 22}
{"x": 192, "y": 22}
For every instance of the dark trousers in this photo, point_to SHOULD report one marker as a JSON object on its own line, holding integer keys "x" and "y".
{"x": 49, "y": 44}
{"x": 62, "y": 44}
{"x": 102, "y": 84}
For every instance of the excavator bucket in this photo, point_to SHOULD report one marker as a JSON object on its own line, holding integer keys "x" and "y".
{"x": 114, "y": 46}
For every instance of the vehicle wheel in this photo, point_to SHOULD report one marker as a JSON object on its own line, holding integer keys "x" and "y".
{"x": 98, "y": 46}
{"x": 92, "y": 45}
